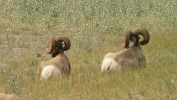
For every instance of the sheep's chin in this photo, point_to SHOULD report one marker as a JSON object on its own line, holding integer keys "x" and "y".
{"x": 49, "y": 71}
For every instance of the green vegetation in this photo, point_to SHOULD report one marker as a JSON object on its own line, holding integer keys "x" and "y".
{"x": 95, "y": 28}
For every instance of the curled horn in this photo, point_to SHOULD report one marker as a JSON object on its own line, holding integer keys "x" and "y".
{"x": 66, "y": 41}
{"x": 144, "y": 33}
{"x": 127, "y": 38}
{"x": 50, "y": 49}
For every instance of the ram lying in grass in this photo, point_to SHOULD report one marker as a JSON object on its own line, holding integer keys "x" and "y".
{"x": 59, "y": 65}
{"x": 132, "y": 56}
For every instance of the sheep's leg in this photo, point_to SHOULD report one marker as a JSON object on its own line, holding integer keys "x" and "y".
{"x": 39, "y": 70}
{"x": 50, "y": 71}
{"x": 109, "y": 63}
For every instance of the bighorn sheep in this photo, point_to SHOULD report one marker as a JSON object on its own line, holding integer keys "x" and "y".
{"x": 132, "y": 56}
{"x": 59, "y": 64}
{"x": 4, "y": 96}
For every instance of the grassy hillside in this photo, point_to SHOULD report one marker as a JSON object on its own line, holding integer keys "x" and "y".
{"x": 95, "y": 28}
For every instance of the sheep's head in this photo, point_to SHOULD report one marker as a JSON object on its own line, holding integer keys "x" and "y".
{"x": 133, "y": 36}
{"x": 56, "y": 45}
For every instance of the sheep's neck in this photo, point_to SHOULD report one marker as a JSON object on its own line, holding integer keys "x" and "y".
{"x": 133, "y": 43}
{"x": 57, "y": 53}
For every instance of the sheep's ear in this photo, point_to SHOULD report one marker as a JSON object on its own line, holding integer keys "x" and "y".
{"x": 127, "y": 38}
{"x": 66, "y": 41}
{"x": 144, "y": 33}
{"x": 51, "y": 47}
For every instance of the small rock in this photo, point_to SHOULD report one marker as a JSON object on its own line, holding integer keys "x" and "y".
{"x": 2, "y": 65}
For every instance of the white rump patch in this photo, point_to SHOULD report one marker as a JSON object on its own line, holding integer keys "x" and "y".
{"x": 109, "y": 63}
{"x": 50, "y": 71}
